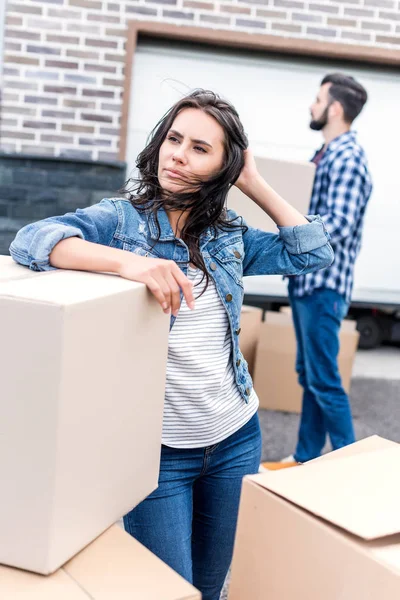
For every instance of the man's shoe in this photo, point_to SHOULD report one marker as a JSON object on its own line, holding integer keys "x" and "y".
{"x": 285, "y": 463}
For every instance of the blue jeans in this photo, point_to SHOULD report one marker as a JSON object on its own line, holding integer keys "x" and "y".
{"x": 326, "y": 408}
{"x": 189, "y": 521}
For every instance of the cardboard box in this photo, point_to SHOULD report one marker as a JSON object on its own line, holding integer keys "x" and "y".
{"x": 10, "y": 270}
{"x": 293, "y": 180}
{"x": 113, "y": 567}
{"x": 275, "y": 377}
{"x": 250, "y": 321}
{"x": 83, "y": 359}
{"x": 326, "y": 530}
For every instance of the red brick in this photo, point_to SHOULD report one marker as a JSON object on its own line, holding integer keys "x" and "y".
{"x": 78, "y": 103}
{"x": 77, "y": 128}
{"x": 18, "y": 135}
{"x": 23, "y": 8}
{"x": 23, "y": 60}
{"x": 233, "y": 9}
{"x": 100, "y": 68}
{"x": 93, "y": 4}
{"x": 13, "y": 21}
{"x": 63, "y": 64}
{"x": 62, "y": 39}
{"x": 83, "y": 54}
{"x": 199, "y": 5}
{"x": 101, "y": 43}
{"x": 115, "y": 58}
{"x": 114, "y": 82}
{"x": 59, "y": 89}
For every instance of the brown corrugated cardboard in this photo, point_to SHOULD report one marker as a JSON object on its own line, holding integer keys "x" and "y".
{"x": 250, "y": 321}
{"x": 327, "y": 530}
{"x": 275, "y": 379}
{"x": 83, "y": 360}
{"x": 293, "y": 180}
{"x": 118, "y": 566}
{"x": 113, "y": 567}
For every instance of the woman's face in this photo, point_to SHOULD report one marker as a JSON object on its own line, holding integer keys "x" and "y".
{"x": 193, "y": 149}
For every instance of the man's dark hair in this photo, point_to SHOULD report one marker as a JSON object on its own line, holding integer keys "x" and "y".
{"x": 346, "y": 90}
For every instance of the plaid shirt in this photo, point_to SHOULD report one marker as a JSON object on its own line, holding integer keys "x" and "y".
{"x": 342, "y": 188}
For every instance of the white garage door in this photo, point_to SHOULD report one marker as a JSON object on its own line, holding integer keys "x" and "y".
{"x": 273, "y": 95}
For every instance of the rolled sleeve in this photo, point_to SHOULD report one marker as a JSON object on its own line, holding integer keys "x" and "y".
{"x": 305, "y": 238}
{"x": 38, "y": 257}
{"x": 35, "y": 242}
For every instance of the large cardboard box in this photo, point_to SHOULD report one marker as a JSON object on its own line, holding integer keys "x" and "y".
{"x": 10, "y": 270}
{"x": 83, "y": 360}
{"x": 113, "y": 567}
{"x": 293, "y": 180}
{"x": 250, "y": 321}
{"x": 275, "y": 378}
{"x": 326, "y": 530}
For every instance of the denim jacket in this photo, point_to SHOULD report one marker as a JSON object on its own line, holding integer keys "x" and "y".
{"x": 228, "y": 255}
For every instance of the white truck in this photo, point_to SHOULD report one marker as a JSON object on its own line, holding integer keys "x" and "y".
{"x": 376, "y": 298}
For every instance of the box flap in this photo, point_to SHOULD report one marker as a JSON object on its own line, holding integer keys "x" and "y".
{"x": 372, "y": 443}
{"x": 23, "y": 585}
{"x": 359, "y": 493}
{"x": 116, "y": 565}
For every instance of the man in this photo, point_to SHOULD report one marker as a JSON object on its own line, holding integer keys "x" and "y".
{"x": 320, "y": 300}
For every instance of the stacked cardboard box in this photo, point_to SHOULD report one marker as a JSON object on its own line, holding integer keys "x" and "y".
{"x": 83, "y": 360}
{"x": 326, "y": 530}
{"x": 293, "y": 180}
{"x": 275, "y": 378}
{"x": 113, "y": 567}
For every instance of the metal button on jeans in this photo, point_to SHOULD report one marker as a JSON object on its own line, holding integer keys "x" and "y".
{"x": 237, "y": 254}
{"x": 238, "y": 362}
{"x": 238, "y": 331}
{"x": 229, "y": 297}
{"x": 213, "y": 266}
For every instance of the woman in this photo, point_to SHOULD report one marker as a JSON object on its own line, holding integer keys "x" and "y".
{"x": 175, "y": 235}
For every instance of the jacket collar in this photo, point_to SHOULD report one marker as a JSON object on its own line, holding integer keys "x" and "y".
{"x": 344, "y": 138}
{"x": 167, "y": 234}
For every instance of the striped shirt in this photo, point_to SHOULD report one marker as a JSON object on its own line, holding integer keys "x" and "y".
{"x": 203, "y": 405}
{"x": 342, "y": 188}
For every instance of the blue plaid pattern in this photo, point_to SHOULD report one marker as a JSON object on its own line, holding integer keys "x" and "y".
{"x": 342, "y": 188}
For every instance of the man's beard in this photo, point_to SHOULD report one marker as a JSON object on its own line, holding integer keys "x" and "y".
{"x": 318, "y": 124}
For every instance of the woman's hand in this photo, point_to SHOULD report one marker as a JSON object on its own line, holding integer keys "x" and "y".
{"x": 163, "y": 278}
{"x": 249, "y": 173}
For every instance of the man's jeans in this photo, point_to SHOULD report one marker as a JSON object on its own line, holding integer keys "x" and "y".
{"x": 326, "y": 409}
{"x": 189, "y": 521}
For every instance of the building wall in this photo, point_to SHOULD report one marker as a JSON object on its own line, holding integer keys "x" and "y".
{"x": 64, "y": 59}
{"x": 34, "y": 187}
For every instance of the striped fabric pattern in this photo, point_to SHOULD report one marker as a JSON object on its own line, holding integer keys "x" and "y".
{"x": 342, "y": 188}
{"x": 202, "y": 403}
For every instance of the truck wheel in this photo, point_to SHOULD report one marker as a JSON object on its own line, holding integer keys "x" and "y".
{"x": 371, "y": 333}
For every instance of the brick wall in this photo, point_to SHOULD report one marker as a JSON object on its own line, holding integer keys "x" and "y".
{"x": 33, "y": 188}
{"x": 64, "y": 59}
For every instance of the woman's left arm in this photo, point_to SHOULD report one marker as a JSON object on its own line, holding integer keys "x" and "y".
{"x": 302, "y": 245}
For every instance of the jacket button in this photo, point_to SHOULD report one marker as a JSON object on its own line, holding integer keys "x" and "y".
{"x": 238, "y": 362}
{"x": 238, "y": 331}
{"x": 237, "y": 254}
{"x": 213, "y": 266}
{"x": 229, "y": 297}
{"x": 247, "y": 391}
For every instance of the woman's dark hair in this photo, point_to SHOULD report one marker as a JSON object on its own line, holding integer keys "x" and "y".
{"x": 206, "y": 201}
{"x": 346, "y": 90}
